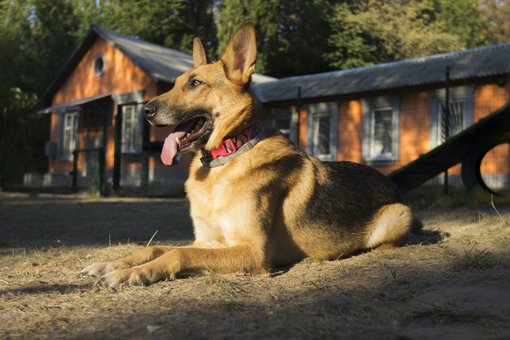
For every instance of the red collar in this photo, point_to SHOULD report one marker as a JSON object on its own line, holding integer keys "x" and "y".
{"x": 233, "y": 146}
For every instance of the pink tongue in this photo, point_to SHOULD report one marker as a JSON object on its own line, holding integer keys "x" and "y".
{"x": 170, "y": 147}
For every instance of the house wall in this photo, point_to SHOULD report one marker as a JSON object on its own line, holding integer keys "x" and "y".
{"x": 414, "y": 127}
{"x": 350, "y": 131}
{"x": 414, "y": 134}
{"x": 120, "y": 76}
{"x": 488, "y": 98}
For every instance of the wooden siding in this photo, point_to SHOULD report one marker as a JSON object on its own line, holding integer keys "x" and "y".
{"x": 120, "y": 76}
{"x": 487, "y": 99}
{"x": 414, "y": 134}
{"x": 350, "y": 131}
{"x": 303, "y": 131}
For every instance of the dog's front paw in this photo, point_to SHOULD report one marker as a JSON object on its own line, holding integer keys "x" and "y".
{"x": 102, "y": 268}
{"x": 137, "y": 276}
{"x": 95, "y": 269}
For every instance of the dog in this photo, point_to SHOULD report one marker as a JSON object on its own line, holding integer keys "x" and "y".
{"x": 257, "y": 202}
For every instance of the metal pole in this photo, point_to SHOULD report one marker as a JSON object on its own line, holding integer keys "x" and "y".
{"x": 447, "y": 121}
{"x": 75, "y": 170}
{"x": 102, "y": 155}
{"x": 101, "y": 167}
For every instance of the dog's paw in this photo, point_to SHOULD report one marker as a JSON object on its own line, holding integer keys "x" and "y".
{"x": 137, "y": 276}
{"x": 131, "y": 277}
{"x": 115, "y": 265}
{"x": 102, "y": 268}
{"x": 95, "y": 269}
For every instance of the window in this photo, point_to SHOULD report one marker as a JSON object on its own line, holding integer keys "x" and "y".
{"x": 284, "y": 118}
{"x": 99, "y": 66}
{"x": 321, "y": 127}
{"x": 455, "y": 121}
{"x": 69, "y": 133}
{"x": 322, "y": 135}
{"x": 381, "y": 129}
{"x": 461, "y": 112}
{"x": 132, "y": 124}
{"x": 381, "y": 132}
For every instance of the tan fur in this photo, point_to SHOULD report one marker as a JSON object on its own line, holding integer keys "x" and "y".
{"x": 272, "y": 205}
{"x": 389, "y": 227}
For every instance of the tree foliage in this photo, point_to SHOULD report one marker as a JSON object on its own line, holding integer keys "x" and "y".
{"x": 497, "y": 15}
{"x": 464, "y": 19}
{"x": 169, "y": 23}
{"x": 292, "y": 34}
{"x": 375, "y": 31}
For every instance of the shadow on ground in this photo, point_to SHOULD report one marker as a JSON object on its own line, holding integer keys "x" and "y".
{"x": 50, "y": 222}
{"x": 418, "y": 302}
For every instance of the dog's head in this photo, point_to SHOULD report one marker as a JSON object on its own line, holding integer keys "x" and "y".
{"x": 210, "y": 101}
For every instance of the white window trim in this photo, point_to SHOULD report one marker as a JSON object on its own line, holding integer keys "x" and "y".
{"x": 137, "y": 142}
{"x": 323, "y": 109}
{"x": 457, "y": 94}
{"x": 370, "y": 106}
{"x": 66, "y": 153}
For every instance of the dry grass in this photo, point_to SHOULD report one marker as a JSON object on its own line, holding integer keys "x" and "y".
{"x": 451, "y": 281}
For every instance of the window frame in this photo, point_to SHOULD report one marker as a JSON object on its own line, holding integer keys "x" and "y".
{"x": 370, "y": 107}
{"x": 69, "y": 142}
{"x": 463, "y": 94}
{"x": 135, "y": 137}
{"x": 315, "y": 112}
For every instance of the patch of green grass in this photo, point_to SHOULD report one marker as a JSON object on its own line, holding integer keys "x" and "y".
{"x": 473, "y": 259}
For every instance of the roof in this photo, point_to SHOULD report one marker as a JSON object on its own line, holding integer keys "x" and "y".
{"x": 75, "y": 105}
{"x": 473, "y": 63}
{"x": 159, "y": 62}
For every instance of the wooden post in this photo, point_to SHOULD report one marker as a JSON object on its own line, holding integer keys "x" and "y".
{"x": 101, "y": 169}
{"x": 75, "y": 170}
{"x": 118, "y": 150}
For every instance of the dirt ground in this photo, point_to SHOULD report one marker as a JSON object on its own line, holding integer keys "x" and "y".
{"x": 452, "y": 281}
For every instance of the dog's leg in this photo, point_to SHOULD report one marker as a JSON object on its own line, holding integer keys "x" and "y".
{"x": 142, "y": 256}
{"x": 390, "y": 227}
{"x": 180, "y": 260}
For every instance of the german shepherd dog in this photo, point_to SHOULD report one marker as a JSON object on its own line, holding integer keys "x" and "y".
{"x": 257, "y": 202}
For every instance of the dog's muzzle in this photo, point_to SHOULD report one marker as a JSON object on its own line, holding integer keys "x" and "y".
{"x": 149, "y": 110}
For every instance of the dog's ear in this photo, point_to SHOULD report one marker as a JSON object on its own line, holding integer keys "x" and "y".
{"x": 199, "y": 56}
{"x": 239, "y": 58}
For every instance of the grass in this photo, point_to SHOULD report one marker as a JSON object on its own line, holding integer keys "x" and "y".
{"x": 455, "y": 274}
{"x": 474, "y": 258}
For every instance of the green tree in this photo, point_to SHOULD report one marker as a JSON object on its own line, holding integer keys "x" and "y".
{"x": 497, "y": 14}
{"x": 169, "y": 23}
{"x": 32, "y": 48}
{"x": 292, "y": 35}
{"x": 464, "y": 19}
{"x": 371, "y": 31}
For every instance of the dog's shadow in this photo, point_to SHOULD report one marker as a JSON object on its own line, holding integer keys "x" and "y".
{"x": 422, "y": 236}
{"x": 427, "y": 237}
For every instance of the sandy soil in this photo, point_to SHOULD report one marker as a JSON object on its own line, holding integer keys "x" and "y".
{"x": 452, "y": 281}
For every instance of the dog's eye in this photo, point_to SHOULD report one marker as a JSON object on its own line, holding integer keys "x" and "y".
{"x": 195, "y": 83}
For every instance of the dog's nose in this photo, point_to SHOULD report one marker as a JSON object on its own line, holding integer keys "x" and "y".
{"x": 150, "y": 110}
